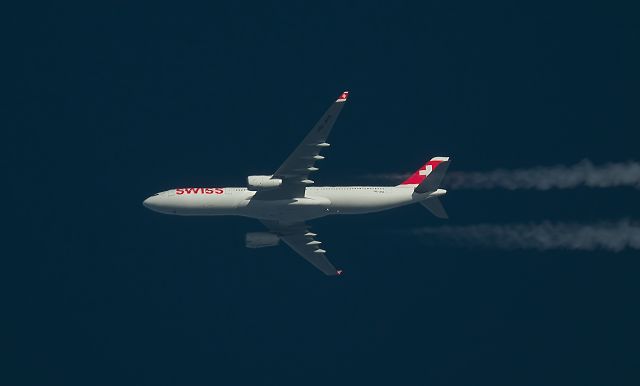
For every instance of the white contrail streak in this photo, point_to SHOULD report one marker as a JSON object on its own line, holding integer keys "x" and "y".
{"x": 611, "y": 236}
{"x": 583, "y": 173}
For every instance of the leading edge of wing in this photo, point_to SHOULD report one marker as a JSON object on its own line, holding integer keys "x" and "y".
{"x": 295, "y": 170}
{"x": 301, "y": 161}
{"x": 298, "y": 237}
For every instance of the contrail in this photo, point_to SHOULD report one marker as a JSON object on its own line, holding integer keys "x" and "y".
{"x": 583, "y": 173}
{"x": 612, "y": 236}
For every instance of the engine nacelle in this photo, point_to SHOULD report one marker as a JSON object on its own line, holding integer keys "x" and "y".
{"x": 262, "y": 182}
{"x": 261, "y": 239}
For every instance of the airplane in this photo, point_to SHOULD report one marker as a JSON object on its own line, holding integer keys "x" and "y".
{"x": 285, "y": 200}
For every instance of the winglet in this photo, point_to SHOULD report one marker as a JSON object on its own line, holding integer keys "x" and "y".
{"x": 343, "y": 97}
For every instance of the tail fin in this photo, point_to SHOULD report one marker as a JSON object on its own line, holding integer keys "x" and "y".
{"x": 429, "y": 176}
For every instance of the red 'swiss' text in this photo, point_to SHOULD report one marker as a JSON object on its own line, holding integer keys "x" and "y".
{"x": 199, "y": 191}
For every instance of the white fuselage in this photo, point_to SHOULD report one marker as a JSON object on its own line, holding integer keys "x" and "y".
{"x": 318, "y": 202}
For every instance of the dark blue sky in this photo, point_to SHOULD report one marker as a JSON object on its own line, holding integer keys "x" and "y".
{"x": 109, "y": 104}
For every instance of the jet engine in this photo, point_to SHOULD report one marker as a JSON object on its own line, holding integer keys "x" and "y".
{"x": 262, "y": 182}
{"x": 261, "y": 239}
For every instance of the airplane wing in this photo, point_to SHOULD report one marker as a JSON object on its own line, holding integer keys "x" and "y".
{"x": 301, "y": 240}
{"x": 295, "y": 170}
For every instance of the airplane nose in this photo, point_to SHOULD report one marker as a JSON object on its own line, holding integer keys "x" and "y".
{"x": 158, "y": 203}
{"x": 149, "y": 202}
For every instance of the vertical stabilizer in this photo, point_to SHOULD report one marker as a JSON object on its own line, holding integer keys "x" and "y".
{"x": 428, "y": 171}
{"x": 434, "y": 178}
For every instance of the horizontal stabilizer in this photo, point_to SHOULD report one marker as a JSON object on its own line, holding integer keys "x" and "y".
{"x": 434, "y": 205}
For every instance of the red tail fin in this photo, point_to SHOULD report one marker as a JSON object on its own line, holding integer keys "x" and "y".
{"x": 422, "y": 173}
